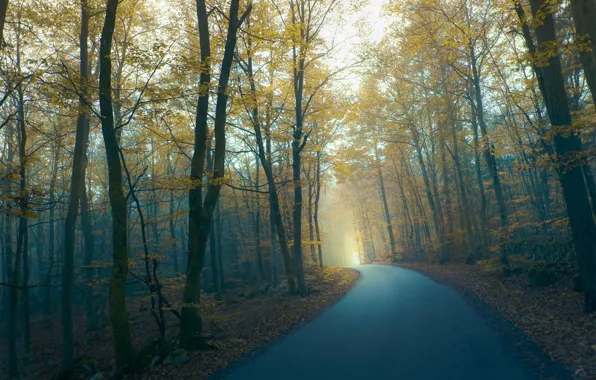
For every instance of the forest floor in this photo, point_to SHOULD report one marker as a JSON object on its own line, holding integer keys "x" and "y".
{"x": 550, "y": 316}
{"x": 237, "y": 327}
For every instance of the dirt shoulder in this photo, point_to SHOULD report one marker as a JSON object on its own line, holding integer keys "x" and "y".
{"x": 251, "y": 323}
{"x": 550, "y": 316}
{"x": 244, "y": 327}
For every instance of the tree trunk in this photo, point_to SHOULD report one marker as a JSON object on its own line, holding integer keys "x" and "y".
{"x": 388, "y": 222}
{"x": 218, "y": 247}
{"x": 91, "y": 322}
{"x": 448, "y": 225}
{"x": 277, "y": 224}
{"x": 584, "y": 14}
{"x": 201, "y": 215}
{"x": 23, "y": 199}
{"x": 316, "y": 214}
{"x": 47, "y": 300}
{"x": 311, "y": 227}
{"x": 215, "y": 283}
{"x": 467, "y": 223}
{"x": 483, "y": 201}
{"x": 568, "y": 147}
{"x": 7, "y": 236}
{"x": 76, "y": 188}
{"x": 429, "y": 194}
{"x": 587, "y": 170}
{"x": 260, "y": 266}
{"x": 123, "y": 348}
{"x": 487, "y": 149}
{"x": 172, "y": 225}
{"x": 3, "y": 9}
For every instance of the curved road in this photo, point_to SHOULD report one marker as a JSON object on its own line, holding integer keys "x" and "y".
{"x": 394, "y": 324}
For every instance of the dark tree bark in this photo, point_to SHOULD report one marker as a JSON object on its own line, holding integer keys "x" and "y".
{"x": 118, "y": 315}
{"x": 568, "y": 147}
{"x": 584, "y": 14}
{"x": 77, "y": 185}
{"x": 432, "y": 201}
{"x": 260, "y": 265}
{"x": 218, "y": 247}
{"x": 587, "y": 170}
{"x": 201, "y": 212}
{"x": 23, "y": 202}
{"x": 309, "y": 212}
{"x": 448, "y": 224}
{"x": 265, "y": 156}
{"x": 7, "y": 233}
{"x": 90, "y": 312}
{"x": 487, "y": 148}
{"x": 316, "y": 214}
{"x": 480, "y": 181}
{"x": 388, "y": 222}
{"x": 3, "y": 9}
{"x": 47, "y": 299}
{"x": 172, "y": 226}
{"x": 465, "y": 211}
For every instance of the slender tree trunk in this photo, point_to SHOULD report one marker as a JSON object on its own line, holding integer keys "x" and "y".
{"x": 76, "y": 188}
{"x": 7, "y": 238}
{"x": 483, "y": 201}
{"x": 311, "y": 227}
{"x": 23, "y": 199}
{"x": 297, "y": 209}
{"x": 214, "y": 262}
{"x": 316, "y": 214}
{"x": 487, "y": 148}
{"x": 429, "y": 193}
{"x": 191, "y": 327}
{"x": 23, "y": 224}
{"x": 467, "y": 222}
{"x": 47, "y": 301}
{"x": 3, "y": 9}
{"x": 172, "y": 225}
{"x": 123, "y": 348}
{"x": 388, "y": 222}
{"x": 90, "y": 312}
{"x": 448, "y": 225}
{"x": 260, "y": 266}
{"x": 201, "y": 214}
{"x": 218, "y": 247}
{"x": 26, "y": 294}
{"x": 277, "y": 224}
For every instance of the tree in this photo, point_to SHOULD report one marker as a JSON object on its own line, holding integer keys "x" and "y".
{"x": 77, "y": 186}
{"x": 123, "y": 349}
{"x": 3, "y": 10}
{"x": 568, "y": 147}
{"x": 201, "y": 211}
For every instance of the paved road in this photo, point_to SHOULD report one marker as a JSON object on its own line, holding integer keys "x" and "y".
{"x": 394, "y": 324}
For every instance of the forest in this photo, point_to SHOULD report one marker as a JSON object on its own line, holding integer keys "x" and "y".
{"x": 165, "y": 164}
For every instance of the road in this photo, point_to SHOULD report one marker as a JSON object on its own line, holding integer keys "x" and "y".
{"x": 394, "y": 324}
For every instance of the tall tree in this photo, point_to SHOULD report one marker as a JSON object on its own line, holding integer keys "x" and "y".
{"x": 77, "y": 185}
{"x": 123, "y": 348}
{"x": 200, "y": 212}
{"x": 3, "y": 10}
{"x": 568, "y": 147}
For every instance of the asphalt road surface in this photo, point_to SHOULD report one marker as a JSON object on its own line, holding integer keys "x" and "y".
{"x": 394, "y": 324}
